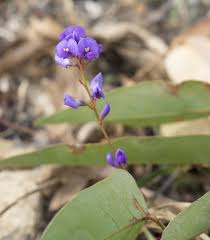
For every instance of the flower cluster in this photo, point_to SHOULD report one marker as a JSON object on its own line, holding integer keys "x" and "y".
{"x": 74, "y": 44}
{"x": 74, "y": 49}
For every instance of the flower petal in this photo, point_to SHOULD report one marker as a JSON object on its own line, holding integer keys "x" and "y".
{"x": 64, "y": 62}
{"x": 81, "y": 48}
{"x": 60, "y": 49}
{"x": 96, "y": 86}
{"x": 73, "y": 32}
{"x": 105, "y": 111}
{"x": 72, "y": 102}
{"x": 120, "y": 156}
{"x": 73, "y": 48}
{"x": 97, "y": 81}
{"x": 90, "y": 56}
{"x": 93, "y": 45}
{"x": 110, "y": 160}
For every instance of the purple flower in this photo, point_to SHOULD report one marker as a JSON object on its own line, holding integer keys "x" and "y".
{"x": 74, "y": 44}
{"x": 119, "y": 160}
{"x": 120, "y": 156}
{"x": 89, "y": 49}
{"x": 73, "y": 32}
{"x": 61, "y": 49}
{"x": 65, "y": 49}
{"x": 96, "y": 86}
{"x": 72, "y": 102}
{"x": 105, "y": 111}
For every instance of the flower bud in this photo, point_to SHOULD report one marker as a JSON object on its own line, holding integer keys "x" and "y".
{"x": 109, "y": 159}
{"x": 120, "y": 157}
{"x": 96, "y": 86}
{"x": 72, "y": 102}
{"x": 105, "y": 111}
{"x": 119, "y": 160}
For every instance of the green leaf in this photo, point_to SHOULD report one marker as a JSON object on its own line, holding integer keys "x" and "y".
{"x": 111, "y": 209}
{"x": 147, "y": 150}
{"x": 147, "y": 103}
{"x": 191, "y": 222}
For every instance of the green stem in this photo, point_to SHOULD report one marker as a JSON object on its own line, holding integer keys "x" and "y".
{"x": 93, "y": 106}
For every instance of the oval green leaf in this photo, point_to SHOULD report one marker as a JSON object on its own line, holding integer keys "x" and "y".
{"x": 111, "y": 209}
{"x": 147, "y": 103}
{"x": 191, "y": 222}
{"x": 140, "y": 150}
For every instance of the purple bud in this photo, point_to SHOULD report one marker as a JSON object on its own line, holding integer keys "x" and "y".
{"x": 110, "y": 160}
{"x": 96, "y": 86}
{"x": 119, "y": 160}
{"x": 120, "y": 156}
{"x": 105, "y": 110}
{"x": 72, "y": 102}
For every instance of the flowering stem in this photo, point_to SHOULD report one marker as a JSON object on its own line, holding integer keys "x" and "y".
{"x": 93, "y": 105}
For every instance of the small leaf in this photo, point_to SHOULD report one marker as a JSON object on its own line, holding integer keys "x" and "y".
{"x": 111, "y": 209}
{"x": 191, "y": 222}
{"x": 147, "y": 103}
{"x": 140, "y": 150}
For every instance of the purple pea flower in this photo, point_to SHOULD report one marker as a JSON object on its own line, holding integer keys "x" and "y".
{"x": 96, "y": 86}
{"x": 73, "y": 32}
{"x": 120, "y": 156}
{"x": 89, "y": 49}
{"x": 61, "y": 49}
{"x": 105, "y": 111}
{"x": 74, "y": 44}
{"x": 119, "y": 160}
{"x": 65, "y": 49}
{"x": 72, "y": 102}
